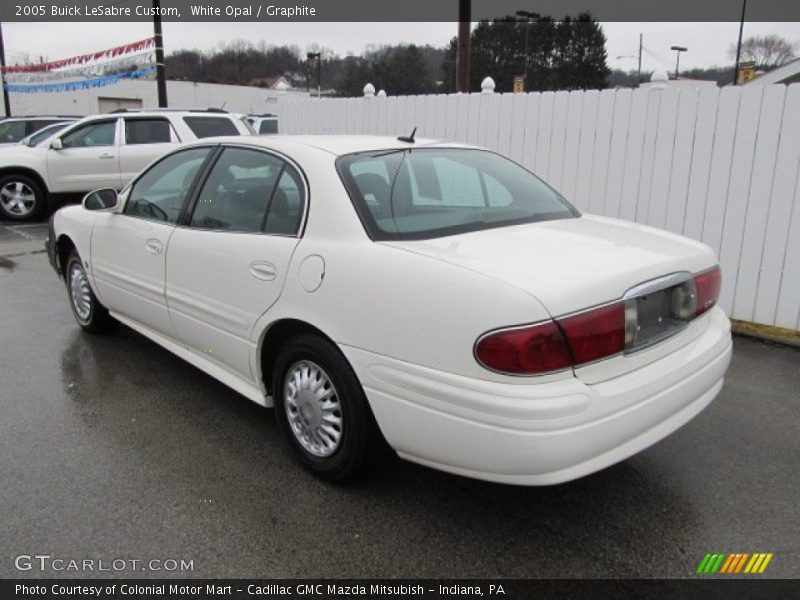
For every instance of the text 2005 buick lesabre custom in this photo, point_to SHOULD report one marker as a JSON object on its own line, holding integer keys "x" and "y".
{"x": 434, "y": 296}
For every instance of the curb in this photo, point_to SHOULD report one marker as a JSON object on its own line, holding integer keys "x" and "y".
{"x": 779, "y": 335}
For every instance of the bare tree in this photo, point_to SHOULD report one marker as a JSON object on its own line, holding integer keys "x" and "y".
{"x": 767, "y": 51}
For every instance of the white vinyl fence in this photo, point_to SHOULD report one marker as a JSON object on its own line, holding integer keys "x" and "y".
{"x": 717, "y": 165}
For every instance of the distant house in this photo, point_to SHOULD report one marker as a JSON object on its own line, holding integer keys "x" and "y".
{"x": 280, "y": 83}
{"x": 788, "y": 73}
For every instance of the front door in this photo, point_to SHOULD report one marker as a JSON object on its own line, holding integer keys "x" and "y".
{"x": 227, "y": 266}
{"x": 87, "y": 160}
{"x": 129, "y": 249}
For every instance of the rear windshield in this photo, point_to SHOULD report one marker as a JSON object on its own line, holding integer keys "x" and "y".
{"x": 12, "y": 131}
{"x": 204, "y": 127}
{"x": 269, "y": 126}
{"x": 432, "y": 192}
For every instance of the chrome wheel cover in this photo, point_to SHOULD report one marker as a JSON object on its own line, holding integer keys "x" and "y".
{"x": 17, "y": 198}
{"x": 80, "y": 292}
{"x": 312, "y": 408}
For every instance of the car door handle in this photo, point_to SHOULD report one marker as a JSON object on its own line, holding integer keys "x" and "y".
{"x": 153, "y": 246}
{"x": 265, "y": 271}
{"x": 107, "y": 156}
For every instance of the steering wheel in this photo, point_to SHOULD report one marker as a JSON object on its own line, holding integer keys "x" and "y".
{"x": 148, "y": 209}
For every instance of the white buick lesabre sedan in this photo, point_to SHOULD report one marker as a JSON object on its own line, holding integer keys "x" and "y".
{"x": 433, "y": 296}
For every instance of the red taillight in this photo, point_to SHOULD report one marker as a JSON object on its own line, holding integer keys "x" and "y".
{"x": 708, "y": 285}
{"x": 596, "y": 333}
{"x": 525, "y": 351}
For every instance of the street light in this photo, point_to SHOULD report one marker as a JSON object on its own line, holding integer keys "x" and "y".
{"x": 527, "y": 15}
{"x": 678, "y": 49}
{"x": 315, "y": 59}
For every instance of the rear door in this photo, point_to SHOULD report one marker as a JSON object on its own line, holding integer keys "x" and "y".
{"x": 144, "y": 140}
{"x": 129, "y": 248}
{"x": 226, "y": 267}
{"x": 88, "y": 159}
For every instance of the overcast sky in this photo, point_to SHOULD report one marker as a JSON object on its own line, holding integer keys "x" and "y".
{"x": 708, "y": 43}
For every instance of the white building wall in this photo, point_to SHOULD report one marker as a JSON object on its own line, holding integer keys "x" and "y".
{"x": 180, "y": 94}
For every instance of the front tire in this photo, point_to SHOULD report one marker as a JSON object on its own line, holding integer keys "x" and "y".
{"x": 322, "y": 411}
{"x": 21, "y": 198}
{"x": 89, "y": 313}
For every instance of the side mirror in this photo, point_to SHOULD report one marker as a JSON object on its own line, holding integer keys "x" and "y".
{"x": 104, "y": 199}
{"x": 56, "y": 144}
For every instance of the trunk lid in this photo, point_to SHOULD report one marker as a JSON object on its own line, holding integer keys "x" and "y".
{"x": 570, "y": 264}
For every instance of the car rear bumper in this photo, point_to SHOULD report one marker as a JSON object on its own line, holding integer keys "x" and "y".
{"x": 541, "y": 433}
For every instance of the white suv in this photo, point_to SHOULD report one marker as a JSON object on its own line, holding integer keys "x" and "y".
{"x": 101, "y": 151}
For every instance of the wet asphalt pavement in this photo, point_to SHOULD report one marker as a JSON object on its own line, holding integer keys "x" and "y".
{"x": 111, "y": 447}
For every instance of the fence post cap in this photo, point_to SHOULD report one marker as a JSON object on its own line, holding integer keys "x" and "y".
{"x": 487, "y": 86}
{"x": 369, "y": 90}
{"x": 382, "y": 94}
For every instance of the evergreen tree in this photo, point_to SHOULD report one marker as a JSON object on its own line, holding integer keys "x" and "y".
{"x": 561, "y": 55}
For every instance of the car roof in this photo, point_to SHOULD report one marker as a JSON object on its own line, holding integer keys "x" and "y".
{"x": 337, "y": 145}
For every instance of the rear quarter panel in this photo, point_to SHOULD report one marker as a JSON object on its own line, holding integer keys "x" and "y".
{"x": 385, "y": 300}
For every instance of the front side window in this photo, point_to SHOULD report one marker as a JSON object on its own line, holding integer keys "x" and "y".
{"x": 91, "y": 134}
{"x": 147, "y": 131}
{"x": 160, "y": 192}
{"x": 237, "y": 192}
{"x": 431, "y": 192}
{"x": 204, "y": 127}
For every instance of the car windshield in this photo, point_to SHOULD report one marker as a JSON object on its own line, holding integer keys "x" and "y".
{"x": 432, "y": 192}
{"x": 45, "y": 133}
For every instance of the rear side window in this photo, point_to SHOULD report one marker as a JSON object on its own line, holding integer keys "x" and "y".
{"x": 159, "y": 194}
{"x": 147, "y": 131}
{"x": 286, "y": 208}
{"x": 236, "y": 194}
{"x": 204, "y": 127}
{"x": 431, "y": 192}
{"x": 269, "y": 126}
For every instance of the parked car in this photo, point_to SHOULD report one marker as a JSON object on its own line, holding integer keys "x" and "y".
{"x": 433, "y": 296}
{"x": 13, "y": 129}
{"x": 45, "y": 133}
{"x": 265, "y": 124}
{"x": 99, "y": 151}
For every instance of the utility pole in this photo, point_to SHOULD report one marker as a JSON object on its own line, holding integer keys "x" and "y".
{"x": 739, "y": 45}
{"x": 462, "y": 49}
{"x": 527, "y": 15}
{"x": 314, "y": 59}
{"x": 6, "y": 103}
{"x": 641, "y": 44}
{"x": 161, "y": 80}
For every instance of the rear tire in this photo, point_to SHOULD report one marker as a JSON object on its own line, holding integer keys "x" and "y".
{"x": 21, "y": 198}
{"x": 322, "y": 411}
{"x": 89, "y": 313}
